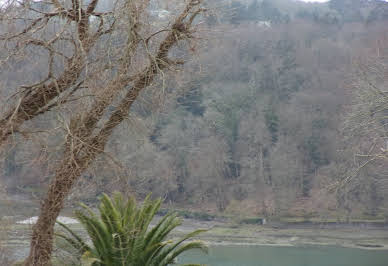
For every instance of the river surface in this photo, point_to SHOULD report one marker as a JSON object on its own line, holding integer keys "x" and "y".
{"x": 286, "y": 256}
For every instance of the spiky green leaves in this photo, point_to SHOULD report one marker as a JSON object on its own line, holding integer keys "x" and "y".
{"x": 121, "y": 234}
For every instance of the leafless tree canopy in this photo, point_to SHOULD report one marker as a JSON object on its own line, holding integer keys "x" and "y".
{"x": 366, "y": 117}
{"x": 95, "y": 58}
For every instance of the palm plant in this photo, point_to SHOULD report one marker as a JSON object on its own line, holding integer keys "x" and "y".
{"x": 121, "y": 234}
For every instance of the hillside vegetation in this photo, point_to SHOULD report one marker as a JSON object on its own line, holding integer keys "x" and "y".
{"x": 255, "y": 126}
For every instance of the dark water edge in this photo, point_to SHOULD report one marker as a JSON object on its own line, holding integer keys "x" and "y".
{"x": 286, "y": 256}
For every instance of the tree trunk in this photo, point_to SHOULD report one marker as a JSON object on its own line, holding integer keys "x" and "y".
{"x": 85, "y": 149}
{"x": 43, "y": 230}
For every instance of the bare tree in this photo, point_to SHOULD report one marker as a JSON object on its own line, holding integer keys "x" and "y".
{"x": 367, "y": 119}
{"x": 366, "y": 136}
{"x": 72, "y": 34}
{"x": 71, "y": 43}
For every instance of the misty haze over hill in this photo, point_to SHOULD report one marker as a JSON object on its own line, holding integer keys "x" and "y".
{"x": 253, "y": 126}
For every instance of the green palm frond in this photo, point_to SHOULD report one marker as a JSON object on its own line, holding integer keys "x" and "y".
{"x": 75, "y": 241}
{"x": 121, "y": 234}
{"x": 168, "y": 255}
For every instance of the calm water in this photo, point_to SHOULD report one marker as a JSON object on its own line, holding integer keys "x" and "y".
{"x": 287, "y": 256}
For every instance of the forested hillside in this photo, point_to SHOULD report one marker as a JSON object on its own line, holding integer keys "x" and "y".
{"x": 256, "y": 125}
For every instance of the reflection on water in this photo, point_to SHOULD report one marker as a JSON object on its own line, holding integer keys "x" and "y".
{"x": 287, "y": 256}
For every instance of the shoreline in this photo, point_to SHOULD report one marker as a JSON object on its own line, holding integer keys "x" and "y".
{"x": 221, "y": 233}
{"x": 227, "y": 233}
{"x": 231, "y": 244}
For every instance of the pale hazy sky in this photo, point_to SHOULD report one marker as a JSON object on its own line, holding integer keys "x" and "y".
{"x": 319, "y": 1}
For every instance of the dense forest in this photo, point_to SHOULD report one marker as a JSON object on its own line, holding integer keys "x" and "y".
{"x": 257, "y": 124}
